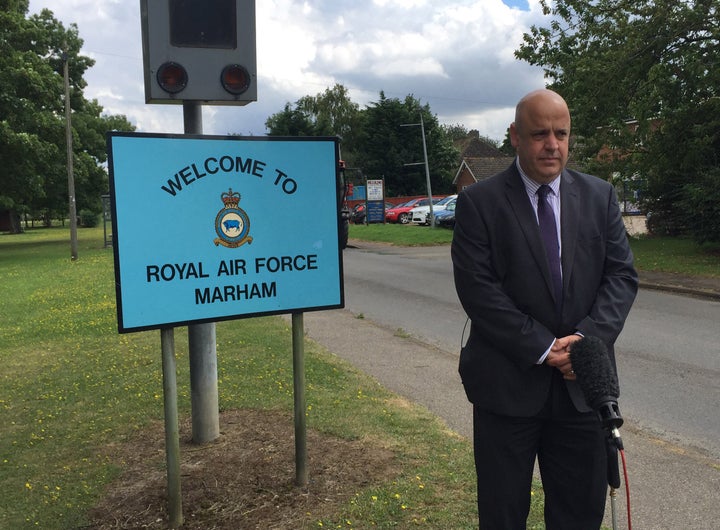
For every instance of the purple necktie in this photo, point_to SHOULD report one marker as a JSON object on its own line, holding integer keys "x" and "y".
{"x": 548, "y": 231}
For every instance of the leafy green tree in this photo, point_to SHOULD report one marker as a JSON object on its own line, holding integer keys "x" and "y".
{"x": 506, "y": 147}
{"x": 374, "y": 142}
{"x": 25, "y": 84}
{"x": 386, "y": 145}
{"x": 33, "y": 173}
{"x": 89, "y": 142}
{"x": 291, "y": 122}
{"x": 456, "y": 131}
{"x": 330, "y": 113}
{"x": 641, "y": 78}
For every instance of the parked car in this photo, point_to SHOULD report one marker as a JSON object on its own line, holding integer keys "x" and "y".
{"x": 446, "y": 218}
{"x": 399, "y": 213}
{"x": 421, "y": 214}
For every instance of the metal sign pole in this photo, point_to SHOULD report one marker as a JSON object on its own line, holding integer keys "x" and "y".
{"x": 298, "y": 338}
{"x": 172, "y": 434}
{"x": 205, "y": 411}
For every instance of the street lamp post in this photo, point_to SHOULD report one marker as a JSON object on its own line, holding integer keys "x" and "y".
{"x": 427, "y": 168}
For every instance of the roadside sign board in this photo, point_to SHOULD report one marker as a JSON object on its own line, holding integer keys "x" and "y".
{"x": 209, "y": 228}
{"x": 375, "y": 190}
{"x": 375, "y": 211}
{"x": 375, "y": 201}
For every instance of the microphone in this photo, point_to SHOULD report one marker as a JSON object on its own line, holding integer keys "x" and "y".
{"x": 598, "y": 382}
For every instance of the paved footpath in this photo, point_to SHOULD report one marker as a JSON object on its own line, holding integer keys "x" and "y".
{"x": 671, "y": 487}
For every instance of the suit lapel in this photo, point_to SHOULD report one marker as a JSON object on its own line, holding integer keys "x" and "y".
{"x": 569, "y": 223}
{"x": 520, "y": 203}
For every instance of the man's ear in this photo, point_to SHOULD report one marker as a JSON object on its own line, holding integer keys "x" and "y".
{"x": 513, "y": 135}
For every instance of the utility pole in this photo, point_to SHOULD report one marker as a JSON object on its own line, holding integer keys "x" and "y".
{"x": 71, "y": 178}
{"x": 427, "y": 168}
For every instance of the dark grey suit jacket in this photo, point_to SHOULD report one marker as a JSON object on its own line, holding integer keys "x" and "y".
{"x": 503, "y": 281}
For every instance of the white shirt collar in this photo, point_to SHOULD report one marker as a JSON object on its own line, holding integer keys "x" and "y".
{"x": 533, "y": 186}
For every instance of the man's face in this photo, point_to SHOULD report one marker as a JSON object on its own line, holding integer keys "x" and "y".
{"x": 540, "y": 135}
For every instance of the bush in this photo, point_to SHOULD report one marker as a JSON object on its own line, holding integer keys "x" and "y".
{"x": 702, "y": 204}
{"x": 89, "y": 218}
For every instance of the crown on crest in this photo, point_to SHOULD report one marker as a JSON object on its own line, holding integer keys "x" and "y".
{"x": 230, "y": 199}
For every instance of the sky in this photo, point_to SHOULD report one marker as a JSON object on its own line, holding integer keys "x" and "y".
{"x": 455, "y": 55}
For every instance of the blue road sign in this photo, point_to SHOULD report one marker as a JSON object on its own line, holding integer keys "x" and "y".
{"x": 211, "y": 228}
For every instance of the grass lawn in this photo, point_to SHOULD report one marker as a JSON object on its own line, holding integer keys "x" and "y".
{"x": 676, "y": 255}
{"x": 397, "y": 234}
{"x": 72, "y": 387}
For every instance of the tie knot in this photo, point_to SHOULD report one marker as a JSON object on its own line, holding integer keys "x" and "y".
{"x": 543, "y": 191}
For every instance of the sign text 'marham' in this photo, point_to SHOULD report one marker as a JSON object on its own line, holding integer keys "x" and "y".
{"x": 235, "y": 293}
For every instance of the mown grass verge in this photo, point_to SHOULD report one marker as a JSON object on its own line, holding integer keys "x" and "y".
{"x": 71, "y": 386}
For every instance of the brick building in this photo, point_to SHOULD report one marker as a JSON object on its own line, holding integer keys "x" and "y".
{"x": 479, "y": 159}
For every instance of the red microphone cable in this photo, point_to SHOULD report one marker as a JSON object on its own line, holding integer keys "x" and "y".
{"x": 627, "y": 487}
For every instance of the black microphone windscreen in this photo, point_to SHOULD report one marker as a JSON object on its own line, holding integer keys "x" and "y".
{"x": 595, "y": 375}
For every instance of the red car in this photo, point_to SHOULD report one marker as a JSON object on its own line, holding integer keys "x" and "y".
{"x": 401, "y": 213}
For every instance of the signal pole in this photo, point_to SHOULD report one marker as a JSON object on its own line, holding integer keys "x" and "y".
{"x": 194, "y": 55}
{"x": 202, "y": 341}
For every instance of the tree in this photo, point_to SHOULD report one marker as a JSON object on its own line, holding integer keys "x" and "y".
{"x": 455, "y": 131}
{"x": 330, "y": 113}
{"x": 641, "y": 79}
{"x": 291, "y": 122}
{"x": 506, "y": 147}
{"x": 373, "y": 139}
{"x": 89, "y": 142}
{"x": 33, "y": 174}
{"x": 385, "y": 147}
{"x": 25, "y": 83}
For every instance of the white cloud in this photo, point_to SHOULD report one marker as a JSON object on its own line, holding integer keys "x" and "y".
{"x": 455, "y": 55}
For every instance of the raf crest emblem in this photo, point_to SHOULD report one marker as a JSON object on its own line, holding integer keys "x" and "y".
{"x": 232, "y": 224}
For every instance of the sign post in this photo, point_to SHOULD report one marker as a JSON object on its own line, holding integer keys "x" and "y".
{"x": 375, "y": 212}
{"x": 172, "y": 435}
{"x": 298, "y": 336}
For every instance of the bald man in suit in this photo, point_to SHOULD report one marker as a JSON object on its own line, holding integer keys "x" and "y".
{"x": 540, "y": 259}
